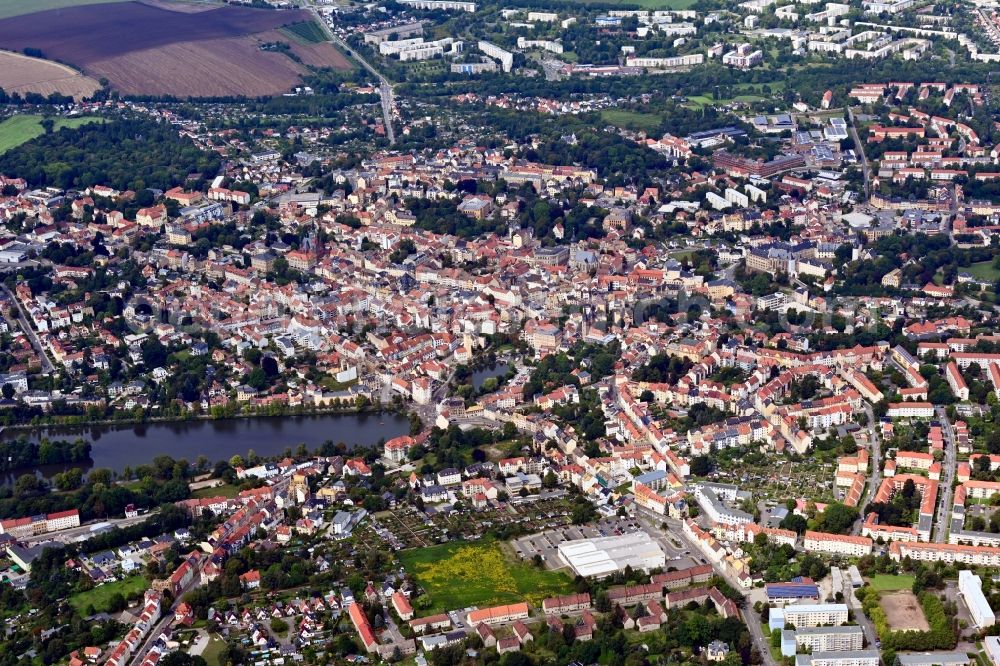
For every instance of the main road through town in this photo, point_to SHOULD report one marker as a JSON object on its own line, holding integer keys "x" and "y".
{"x": 384, "y": 87}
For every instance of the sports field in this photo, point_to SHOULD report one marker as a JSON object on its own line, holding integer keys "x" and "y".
{"x": 903, "y": 611}
{"x": 462, "y": 574}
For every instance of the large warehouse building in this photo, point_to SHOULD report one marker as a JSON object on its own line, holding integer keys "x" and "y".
{"x": 603, "y": 556}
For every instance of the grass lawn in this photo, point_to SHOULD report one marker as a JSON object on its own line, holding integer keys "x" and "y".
{"x": 983, "y": 270}
{"x": 225, "y": 490}
{"x": 699, "y": 101}
{"x": 462, "y": 574}
{"x": 99, "y": 596}
{"x": 633, "y": 120}
{"x": 887, "y": 583}
{"x": 213, "y": 651}
{"x": 23, "y": 128}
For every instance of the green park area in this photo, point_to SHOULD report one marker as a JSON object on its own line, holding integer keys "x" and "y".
{"x": 23, "y": 128}
{"x": 102, "y": 598}
{"x": 461, "y": 574}
{"x": 889, "y": 583}
{"x": 225, "y": 490}
{"x": 983, "y": 270}
{"x": 633, "y": 120}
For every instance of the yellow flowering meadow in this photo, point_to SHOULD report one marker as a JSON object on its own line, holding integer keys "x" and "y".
{"x": 463, "y": 574}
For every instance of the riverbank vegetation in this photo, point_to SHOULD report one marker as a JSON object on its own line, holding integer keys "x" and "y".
{"x": 163, "y": 481}
{"x": 21, "y": 453}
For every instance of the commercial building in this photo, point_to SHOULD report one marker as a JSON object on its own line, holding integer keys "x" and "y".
{"x": 934, "y": 659}
{"x": 791, "y": 592}
{"x": 739, "y": 166}
{"x": 604, "y": 556}
{"x": 971, "y": 588}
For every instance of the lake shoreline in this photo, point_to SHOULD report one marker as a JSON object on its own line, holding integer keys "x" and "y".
{"x": 374, "y": 410}
{"x": 117, "y": 445}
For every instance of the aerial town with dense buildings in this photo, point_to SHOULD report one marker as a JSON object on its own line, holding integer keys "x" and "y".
{"x": 685, "y": 358}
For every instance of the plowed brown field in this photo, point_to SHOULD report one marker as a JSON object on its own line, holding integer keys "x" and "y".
{"x": 210, "y": 68}
{"x": 165, "y": 49}
{"x": 21, "y": 74}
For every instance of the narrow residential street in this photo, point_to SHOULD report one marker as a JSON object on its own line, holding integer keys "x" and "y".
{"x": 947, "y": 477}
{"x": 761, "y": 642}
{"x": 861, "y": 150}
{"x": 875, "y": 477}
{"x": 47, "y": 365}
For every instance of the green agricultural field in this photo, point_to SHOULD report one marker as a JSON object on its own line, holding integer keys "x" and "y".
{"x": 306, "y": 32}
{"x": 887, "y": 583}
{"x": 462, "y": 574}
{"x": 100, "y": 596}
{"x": 633, "y": 120}
{"x": 22, "y": 128}
{"x": 983, "y": 270}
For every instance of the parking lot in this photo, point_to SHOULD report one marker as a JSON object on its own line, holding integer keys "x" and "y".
{"x": 546, "y": 543}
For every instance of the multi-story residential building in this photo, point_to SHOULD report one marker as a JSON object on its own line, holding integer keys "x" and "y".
{"x": 848, "y": 658}
{"x": 505, "y": 58}
{"x": 710, "y": 502}
{"x": 837, "y": 544}
{"x": 821, "y": 639}
{"x": 23, "y": 528}
{"x": 808, "y": 615}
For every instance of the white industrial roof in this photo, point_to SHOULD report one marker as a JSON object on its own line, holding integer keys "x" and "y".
{"x": 602, "y": 556}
